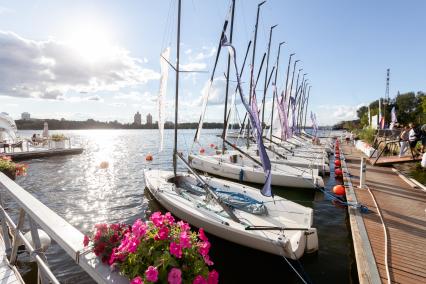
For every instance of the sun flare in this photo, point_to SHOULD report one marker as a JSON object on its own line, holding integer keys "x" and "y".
{"x": 91, "y": 41}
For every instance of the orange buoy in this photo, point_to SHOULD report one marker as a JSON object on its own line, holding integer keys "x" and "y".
{"x": 202, "y": 151}
{"x": 104, "y": 165}
{"x": 212, "y": 145}
{"x": 149, "y": 157}
{"x": 339, "y": 190}
{"x": 338, "y": 172}
{"x": 337, "y": 163}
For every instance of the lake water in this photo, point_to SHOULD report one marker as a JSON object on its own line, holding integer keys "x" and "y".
{"x": 84, "y": 195}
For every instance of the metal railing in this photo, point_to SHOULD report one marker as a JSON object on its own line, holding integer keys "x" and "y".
{"x": 64, "y": 234}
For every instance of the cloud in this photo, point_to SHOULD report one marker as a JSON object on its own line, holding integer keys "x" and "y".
{"x": 205, "y": 54}
{"x": 195, "y": 66}
{"x": 331, "y": 114}
{"x": 136, "y": 96}
{"x": 5, "y": 10}
{"x": 217, "y": 92}
{"x": 188, "y": 51}
{"x": 49, "y": 69}
{"x": 78, "y": 99}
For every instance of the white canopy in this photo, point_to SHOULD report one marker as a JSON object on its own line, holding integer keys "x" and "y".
{"x": 8, "y": 128}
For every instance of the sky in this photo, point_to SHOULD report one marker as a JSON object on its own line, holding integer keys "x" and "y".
{"x": 101, "y": 59}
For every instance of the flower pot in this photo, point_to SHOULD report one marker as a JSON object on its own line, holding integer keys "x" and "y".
{"x": 57, "y": 144}
{"x": 10, "y": 174}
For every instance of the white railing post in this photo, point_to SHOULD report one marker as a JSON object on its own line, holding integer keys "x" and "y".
{"x": 16, "y": 242}
{"x": 37, "y": 248}
{"x": 4, "y": 226}
{"x": 362, "y": 172}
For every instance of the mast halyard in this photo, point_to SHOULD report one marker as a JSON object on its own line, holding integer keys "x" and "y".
{"x": 177, "y": 89}
{"x": 225, "y": 122}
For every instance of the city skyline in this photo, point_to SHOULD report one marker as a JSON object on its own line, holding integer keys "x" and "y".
{"x": 345, "y": 47}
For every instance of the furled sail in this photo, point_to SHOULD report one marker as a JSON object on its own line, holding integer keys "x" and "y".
{"x": 8, "y": 128}
{"x": 164, "y": 65}
{"x": 266, "y": 163}
{"x": 282, "y": 113}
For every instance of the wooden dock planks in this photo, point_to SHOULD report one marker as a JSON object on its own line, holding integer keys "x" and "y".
{"x": 403, "y": 211}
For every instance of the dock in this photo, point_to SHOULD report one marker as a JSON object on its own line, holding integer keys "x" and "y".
{"x": 402, "y": 207}
{"x": 42, "y": 153}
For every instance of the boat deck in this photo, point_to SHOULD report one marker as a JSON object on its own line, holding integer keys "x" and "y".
{"x": 387, "y": 161}
{"x": 42, "y": 153}
{"x": 403, "y": 211}
{"x": 8, "y": 275}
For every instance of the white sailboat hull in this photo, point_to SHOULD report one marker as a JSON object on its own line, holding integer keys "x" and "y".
{"x": 281, "y": 213}
{"x": 216, "y": 165}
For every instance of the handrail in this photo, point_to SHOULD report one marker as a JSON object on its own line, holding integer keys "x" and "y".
{"x": 65, "y": 235}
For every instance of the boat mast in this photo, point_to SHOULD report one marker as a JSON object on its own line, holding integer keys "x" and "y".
{"x": 291, "y": 87}
{"x": 266, "y": 76}
{"x": 307, "y": 102}
{"x": 252, "y": 67}
{"x": 225, "y": 122}
{"x": 286, "y": 79}
{"x": 275, "y": 84}
{"x": 177, "y": 89}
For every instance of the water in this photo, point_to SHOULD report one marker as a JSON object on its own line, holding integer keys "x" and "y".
{"x": 83, "y": 194}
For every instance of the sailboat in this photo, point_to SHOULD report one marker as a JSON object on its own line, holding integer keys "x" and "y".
{"x": 235, "y": 212}
{"x": 244, "y": 165}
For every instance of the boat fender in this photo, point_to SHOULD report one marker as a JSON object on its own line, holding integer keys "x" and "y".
{"x": 45, "y": 241}
{"x": 241, "y": 176}
{"x": 311, "y": 240}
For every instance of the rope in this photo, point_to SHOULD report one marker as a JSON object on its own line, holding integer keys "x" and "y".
{"x": 385, "y": 233}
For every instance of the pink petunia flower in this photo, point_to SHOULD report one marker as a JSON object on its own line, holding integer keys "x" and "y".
{"x": 157, "y": 219}
{"x": 183, "y": 226}
{"x": 185, "y": 240}
{"x": 175, "y": 276}
{"x": 137, "y": 280}
{"x": 162, "y": 234}
{"x": 170, "y": 220}
{"x": 207, "y": 260}
{"x": 204, "y": 248}
{"x": 199, "y": 280}
{"x": 139, "y": 228}
{"x": 213, "y": 277}
{"x": 176, "y": 249}
{"x": 151, "y": 274}
{"x": 202, "y": 235}
{"x": 86, "y": 241}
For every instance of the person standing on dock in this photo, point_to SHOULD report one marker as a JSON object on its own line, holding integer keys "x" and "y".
{"x": 413, "y": 137}
{"x": 403, "y": 141}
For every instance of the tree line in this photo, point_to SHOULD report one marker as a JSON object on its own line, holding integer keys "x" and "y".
{"x": 55, "y": 124}
{"x": 409, "y": 107}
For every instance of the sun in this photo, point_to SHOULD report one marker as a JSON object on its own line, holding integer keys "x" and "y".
{"x": 90, "y": 41}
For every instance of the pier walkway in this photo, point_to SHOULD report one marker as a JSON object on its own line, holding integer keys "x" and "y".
{"x": 403, "y": 210}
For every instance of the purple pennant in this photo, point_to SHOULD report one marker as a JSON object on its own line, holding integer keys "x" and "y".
{"x": 255, "y": 123}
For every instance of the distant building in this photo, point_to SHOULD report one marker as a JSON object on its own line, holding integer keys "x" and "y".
{"x": 25, "y": 116}
{"x": 137, "y": 120}
{"x": 149, "y": 119}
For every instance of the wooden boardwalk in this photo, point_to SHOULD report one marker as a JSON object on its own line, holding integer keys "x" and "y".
{"x": 404, "y": 214}
{"x": 8, "y": 275}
